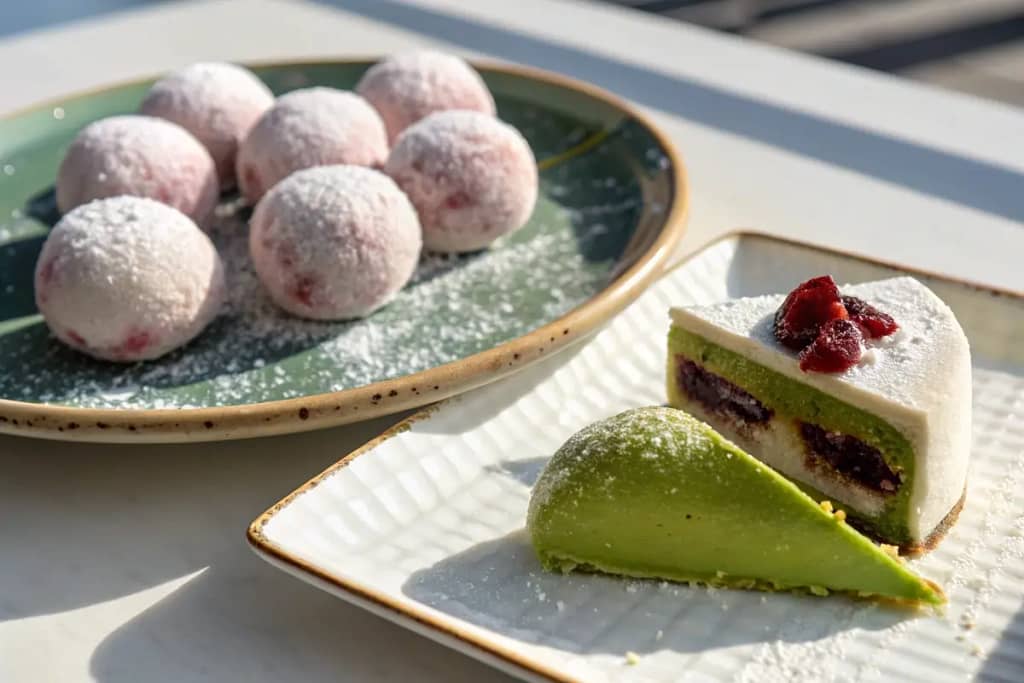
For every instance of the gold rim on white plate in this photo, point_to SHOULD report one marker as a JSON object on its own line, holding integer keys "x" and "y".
{"x": 428, "y": 623}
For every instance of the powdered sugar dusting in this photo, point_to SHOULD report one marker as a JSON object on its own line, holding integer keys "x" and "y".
{"x": 577, "y": 239}
{"x": 309, "y": 127}
{"x": 471, "y": 177}
{"x": 678, "y": 436}
{"x": 128, "y": 278}
{"x": 141, "y": 156}
{"x": 454, "y": 306}
{"x": 407, "y": 87}
{"x": 902, "y": 366}
{"x": 918, "y": 379}
{"x": 459, "y": 548}
{"x": 217, "y": 102}
{"x": 334, "y": 242}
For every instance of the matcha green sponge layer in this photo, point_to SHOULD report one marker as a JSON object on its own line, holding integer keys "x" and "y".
{"x": 793, "y": 400}
{"x": 655, "y": 493}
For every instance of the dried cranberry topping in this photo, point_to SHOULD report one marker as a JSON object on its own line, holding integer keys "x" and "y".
{"x": 827, "y": 328}
{"x": 837, "y": 348}
{"x": 872, "y": 321}
{"x": 805, "y": 310}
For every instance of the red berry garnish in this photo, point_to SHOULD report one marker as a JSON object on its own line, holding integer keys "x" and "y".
{"x": 837, "y": 348}
{"x": 872, "y": 321}
{"x": 805, "y": 310}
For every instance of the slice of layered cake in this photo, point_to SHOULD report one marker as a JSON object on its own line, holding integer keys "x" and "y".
{"x": 862, "y": 396}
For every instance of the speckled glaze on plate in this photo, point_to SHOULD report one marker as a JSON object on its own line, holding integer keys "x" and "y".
{"x": 612, "y": 206}
{"x": 424, "y": 525}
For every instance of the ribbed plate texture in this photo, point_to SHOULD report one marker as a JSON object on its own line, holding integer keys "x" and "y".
{"x": 433, "y": 518}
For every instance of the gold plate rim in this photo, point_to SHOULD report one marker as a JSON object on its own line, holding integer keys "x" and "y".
{"x": 318, "y": 411}
{"x": 453, "y": 633}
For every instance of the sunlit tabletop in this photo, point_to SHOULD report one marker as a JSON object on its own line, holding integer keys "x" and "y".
{"x": 128, "y": 563}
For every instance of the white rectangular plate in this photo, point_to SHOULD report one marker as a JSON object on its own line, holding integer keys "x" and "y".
{"x": 425, "y": 525}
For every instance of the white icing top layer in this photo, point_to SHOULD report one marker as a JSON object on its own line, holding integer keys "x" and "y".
{"x": 918, "y": 379}
{"x": 900, "y": 368}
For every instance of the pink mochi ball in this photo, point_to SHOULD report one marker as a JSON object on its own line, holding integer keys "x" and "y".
{"x": 218, "y": 103}
{"x": 127, "y": 279}
{"x": 407, "y": 87}
{"x": 305, "y": 128}
{"x": 140, "y": 156}
{"x": 334, "y": 242}
{"x": 471, "y": 177}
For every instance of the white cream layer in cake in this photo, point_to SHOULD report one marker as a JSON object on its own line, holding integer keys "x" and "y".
{"x": 918, "y": 380}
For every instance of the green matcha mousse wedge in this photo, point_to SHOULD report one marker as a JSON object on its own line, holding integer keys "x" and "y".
{"x": 655, "y": 493}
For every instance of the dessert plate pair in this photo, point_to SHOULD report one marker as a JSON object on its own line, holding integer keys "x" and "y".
{"x": 424, "y": 525}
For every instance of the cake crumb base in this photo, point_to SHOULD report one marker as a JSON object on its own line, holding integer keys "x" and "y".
{"x": 938, "y": 533}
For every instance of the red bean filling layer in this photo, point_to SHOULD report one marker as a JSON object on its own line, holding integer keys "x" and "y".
{"x": 849, "y": 456}
{"x": 718, "y": 395}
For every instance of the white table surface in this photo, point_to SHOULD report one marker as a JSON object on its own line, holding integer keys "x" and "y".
{"x": 128, "y": 563}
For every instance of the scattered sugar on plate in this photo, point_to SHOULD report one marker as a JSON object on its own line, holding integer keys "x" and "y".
{"x": 454, "y": 307}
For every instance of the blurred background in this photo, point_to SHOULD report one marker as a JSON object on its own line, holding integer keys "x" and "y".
{"x": 973, "y": 46}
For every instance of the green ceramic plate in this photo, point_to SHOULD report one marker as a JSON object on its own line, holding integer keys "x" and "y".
{"x": 612, "y": 205}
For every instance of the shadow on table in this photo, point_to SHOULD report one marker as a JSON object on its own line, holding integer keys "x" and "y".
{"x": 236, "y": 622}
{"x": 499, "y": 585}
{"x": 96, "y": 522}
{"x": 525, "y": 470}
{"x": 1005, "y": 663}
{"x": 972, "y": 182}
{"x": 18, "y": 17}
{"x": 91, "y": 523}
